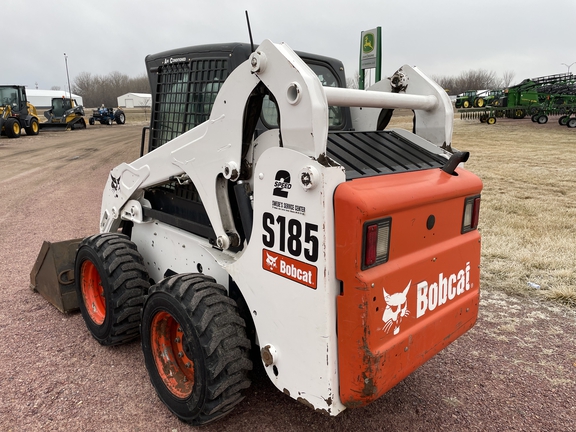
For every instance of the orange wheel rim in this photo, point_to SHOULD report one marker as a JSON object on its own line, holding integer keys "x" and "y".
{"x": 173, "y": 365}
{"x": 93, "y": 292}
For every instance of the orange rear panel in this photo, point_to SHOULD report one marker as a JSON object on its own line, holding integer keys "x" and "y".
{"x": 394, "y": 317}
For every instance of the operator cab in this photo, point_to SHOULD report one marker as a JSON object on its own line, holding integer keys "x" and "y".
{"x": 13, "y": 96}
{"x": 184, "y": 84}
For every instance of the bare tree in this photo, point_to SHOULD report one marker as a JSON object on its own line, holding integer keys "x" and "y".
{"x": 507, "y": 78}
{"x": 352, "y": 82}
{"x": 469, "y": 80}
{"x": 144, "y": 105}
{"x": 97, "y": 90}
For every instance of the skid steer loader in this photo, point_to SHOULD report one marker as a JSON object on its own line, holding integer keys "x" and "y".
{"x": 64, "y": 114}
{"x": 344, "y": 259}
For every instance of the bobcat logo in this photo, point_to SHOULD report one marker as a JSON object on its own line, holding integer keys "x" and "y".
{"x": 271, "y": 261}
{"x": 115, "y": 184}
{"x": 396, "y": 309}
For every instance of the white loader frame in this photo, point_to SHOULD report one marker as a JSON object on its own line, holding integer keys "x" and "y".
{"x": 294, "y": 316}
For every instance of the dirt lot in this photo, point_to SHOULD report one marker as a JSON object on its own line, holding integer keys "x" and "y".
{"x": 514, "y": 371}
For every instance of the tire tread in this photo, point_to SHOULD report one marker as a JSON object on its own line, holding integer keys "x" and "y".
{"x": 125, "y": 270}
{"x": 222, "y": 336}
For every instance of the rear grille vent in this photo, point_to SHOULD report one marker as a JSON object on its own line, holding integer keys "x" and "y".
{"x": 365, "y": 154}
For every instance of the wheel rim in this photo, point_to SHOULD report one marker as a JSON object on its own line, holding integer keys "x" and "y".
{"x": 93, "y": 292}
{"x": 480, "y": 102}
{"x": 173, "y": 365}
{"x": 16, "y": 128}
{"x": 491, "y": 120}
{"x": 35, "y": 127}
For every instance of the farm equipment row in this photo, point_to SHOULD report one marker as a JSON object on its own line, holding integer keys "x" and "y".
{"x": 539, "y": 98}
{"x": 538, "y": 114}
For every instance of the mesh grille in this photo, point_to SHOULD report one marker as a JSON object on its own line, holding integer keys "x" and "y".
{"x": 365, "y": 154}
{"x": 184, "y": 96}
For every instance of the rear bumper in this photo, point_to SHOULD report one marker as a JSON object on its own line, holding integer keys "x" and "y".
{"x": 379, "y": 344}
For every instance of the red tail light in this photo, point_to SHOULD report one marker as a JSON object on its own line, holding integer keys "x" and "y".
{"x": 376, "y": 242}
{"x": 471, "y": 214}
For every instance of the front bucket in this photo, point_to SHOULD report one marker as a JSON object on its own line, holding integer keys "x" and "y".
{"x": 53, "y": 274}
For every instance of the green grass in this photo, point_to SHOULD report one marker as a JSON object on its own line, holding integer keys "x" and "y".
{"x": 528, "y": 209}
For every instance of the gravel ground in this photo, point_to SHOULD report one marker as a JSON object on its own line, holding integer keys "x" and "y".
{"x": 514, "y": 371}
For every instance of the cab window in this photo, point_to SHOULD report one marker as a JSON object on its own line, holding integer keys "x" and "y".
{"x": 328, "y": 79}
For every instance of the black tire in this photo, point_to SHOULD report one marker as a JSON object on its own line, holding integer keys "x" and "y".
{"x": 479, "y": 103}
{"x": 111, "y": 285}
{"x": 12, "y": 128}
{"x": 571, "y": 123}
{"x": 543, "y": 119}
{"x": 195, "y": 347}
{"x": 91, "y": 121}
{"x": 120, "y": 117}
{"x": 34, "y": 128}
{"x": 491, "y": 120}
{"x": 109, "y": 121}
{"x": 562, "y": 121}
{"x": 519, "y": 113}
{"x": 534, "y": 118}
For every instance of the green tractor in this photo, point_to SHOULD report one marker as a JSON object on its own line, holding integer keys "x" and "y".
{"x": 488, "y": 98}
{"x": 466, "y": 99}
{"x": 16, "y": 113}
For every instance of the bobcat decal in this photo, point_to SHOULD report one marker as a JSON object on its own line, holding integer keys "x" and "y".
{"x": 271, "y": 261}
{"x": 396, "y": 309}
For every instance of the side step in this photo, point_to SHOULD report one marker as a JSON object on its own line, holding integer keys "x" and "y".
{"x": 53, "y": 274}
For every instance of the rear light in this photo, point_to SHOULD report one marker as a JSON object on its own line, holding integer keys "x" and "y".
{"x": 376, "y": 242}
{"x": 471, "y": 214}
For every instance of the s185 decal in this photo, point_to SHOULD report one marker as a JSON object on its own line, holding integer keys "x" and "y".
{"x": 289, "y": 235}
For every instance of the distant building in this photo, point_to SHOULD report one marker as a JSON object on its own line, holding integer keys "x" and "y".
{"x": 135, "y": 100}
{"x": 43, "y": 98}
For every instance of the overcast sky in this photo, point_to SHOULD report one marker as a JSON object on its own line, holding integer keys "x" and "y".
{"x": 442, "y": 37}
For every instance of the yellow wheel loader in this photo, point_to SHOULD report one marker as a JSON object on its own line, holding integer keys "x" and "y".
{"x": 16, "y": 113}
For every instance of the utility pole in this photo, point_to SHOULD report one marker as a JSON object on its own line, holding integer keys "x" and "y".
{"x": 67, "y": 75}
{"x": 568, "y": 66}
